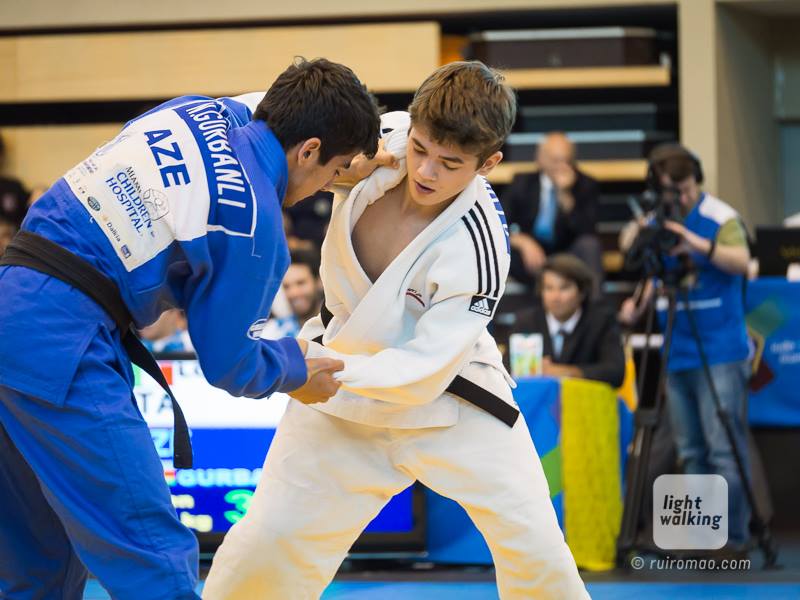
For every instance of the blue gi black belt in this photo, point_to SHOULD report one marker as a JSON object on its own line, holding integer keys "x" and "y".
{"x": 35, "y": 252}
{"x": 463, "y": 388}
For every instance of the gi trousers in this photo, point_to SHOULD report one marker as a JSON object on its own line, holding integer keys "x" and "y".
{"x": 326, "y": 478}
{"x": 81, "y": 485}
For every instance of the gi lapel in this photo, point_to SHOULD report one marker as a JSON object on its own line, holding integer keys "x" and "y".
{"x": 381, "y": 300}
{"x": 345, "y": 282}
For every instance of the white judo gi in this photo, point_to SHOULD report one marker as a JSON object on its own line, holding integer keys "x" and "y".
{"x": 333, "y": 466}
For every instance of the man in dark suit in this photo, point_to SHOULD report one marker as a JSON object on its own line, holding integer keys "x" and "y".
{"x": 581, "y": 338}
{"x": 552, "y": 210}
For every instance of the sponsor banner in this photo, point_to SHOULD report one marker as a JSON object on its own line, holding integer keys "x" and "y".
{"x": 202, "y": 404}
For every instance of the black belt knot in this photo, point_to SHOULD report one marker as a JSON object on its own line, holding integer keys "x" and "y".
{"x": 461, "y": 387}
{"x": 33, "y": 251}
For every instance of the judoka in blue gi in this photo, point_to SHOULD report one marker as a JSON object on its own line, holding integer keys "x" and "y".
{"x": 182, "y": 209}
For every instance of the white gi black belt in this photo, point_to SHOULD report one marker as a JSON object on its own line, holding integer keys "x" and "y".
{"x": 35, "y": 252}
{"x": 461, "y": 387}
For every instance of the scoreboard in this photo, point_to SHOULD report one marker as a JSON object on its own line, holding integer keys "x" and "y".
{"x": 230, "y": 439}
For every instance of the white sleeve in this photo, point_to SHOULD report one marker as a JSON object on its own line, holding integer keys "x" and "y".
{"x": 250, "y": 100}
{"x": 394, "y": 132}
{"x": 398, "y": 119}
{"x": 312, "y": 329}
{"x": 420, "y": 370}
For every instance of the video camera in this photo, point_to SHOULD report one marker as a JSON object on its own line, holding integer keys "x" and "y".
{"x": 658, "y": 204}
{"x": 654, "y": 241}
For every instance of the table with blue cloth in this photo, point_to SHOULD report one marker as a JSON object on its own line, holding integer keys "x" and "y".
{"x": 580, "y": 429}
{"x": 773, "y": 322}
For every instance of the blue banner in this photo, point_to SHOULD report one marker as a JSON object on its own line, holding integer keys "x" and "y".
{"x": 773, "y": 322}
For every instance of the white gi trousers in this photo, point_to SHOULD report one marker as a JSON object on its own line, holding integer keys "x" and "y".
{"x": 326, "y": 478}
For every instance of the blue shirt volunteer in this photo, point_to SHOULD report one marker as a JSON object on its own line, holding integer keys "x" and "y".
{"x": 716, "y": 299}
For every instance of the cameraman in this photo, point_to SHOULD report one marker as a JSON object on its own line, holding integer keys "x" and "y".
{"x": 711, "y": 246}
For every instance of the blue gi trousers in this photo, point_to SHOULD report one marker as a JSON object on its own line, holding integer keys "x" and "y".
{"x": 82, "y": 486}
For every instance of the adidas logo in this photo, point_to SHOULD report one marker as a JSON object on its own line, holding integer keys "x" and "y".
{"x": 482, "y": 306}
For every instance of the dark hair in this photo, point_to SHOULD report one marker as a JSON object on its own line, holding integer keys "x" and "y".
{"x": 466, "y": 104}
{"x": 677, "y": 168}
{"x": 309, "y": 258}
{"x": 674, "y": 161}
{"x": 323, "y": 99}
{"x": 572, "y": 268}
{"x": 4, "y": 221}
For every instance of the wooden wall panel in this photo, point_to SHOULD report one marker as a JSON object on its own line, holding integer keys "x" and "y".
{"x": 40, "y": 155}
{"x": 697, "y": 84}
{"x": 589, "y": 77}
{"x": 16, "y": 14}
{"x": 748, "y": 137}
{"x": 163, "y": 64}
{"x": 602, "y": 170}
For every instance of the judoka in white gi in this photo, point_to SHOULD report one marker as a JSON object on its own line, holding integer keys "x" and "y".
{"x": 414, "y": 262}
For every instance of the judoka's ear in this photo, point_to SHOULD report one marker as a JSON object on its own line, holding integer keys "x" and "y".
{"x": 490, "y": 163}
{"x": 308, "y": 152}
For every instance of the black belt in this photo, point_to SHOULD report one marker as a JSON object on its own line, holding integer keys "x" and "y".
{"x": 35, "y": 252}
{"x": 461, "y": 387}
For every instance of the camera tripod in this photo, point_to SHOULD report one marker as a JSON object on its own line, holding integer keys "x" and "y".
{"x": 646, "y": 420}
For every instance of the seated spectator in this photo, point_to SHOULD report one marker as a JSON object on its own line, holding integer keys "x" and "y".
{"x": 13, "y": 195}
{"x": 302, "y": 289}
{"x": 581, "y": 338}
{"x": 552, "y": 211}
{"x": 7, "y": 230}
{"x": 293, "y": 241}
{"x": 310, "y": 217}
{"x": 168, "y": 334}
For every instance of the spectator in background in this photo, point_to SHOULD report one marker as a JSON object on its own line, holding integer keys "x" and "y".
{"x": 310, "y": 217}
{"x": 581, "y": 338}
{"x": 302, "y": 289}
{"x": 293, "y": 241}
{"x": 7, "y": 231}
{"x": 302, "y": 285}
{"x": 13, "y": 195}
{"x": 713, "y": 249}
{"x": 552, "y": 210}
{"x": 168, "y": 334}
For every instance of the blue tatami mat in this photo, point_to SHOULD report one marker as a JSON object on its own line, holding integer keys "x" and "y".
{"x": 486, "y": 591}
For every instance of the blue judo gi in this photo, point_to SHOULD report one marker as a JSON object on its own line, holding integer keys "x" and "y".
{"x": 182, "y": 208}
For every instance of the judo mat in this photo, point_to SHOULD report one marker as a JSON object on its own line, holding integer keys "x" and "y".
{"x": 393, "y": 590}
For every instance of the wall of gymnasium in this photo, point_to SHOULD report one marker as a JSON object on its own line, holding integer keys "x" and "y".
{"x": 728, "y": 61}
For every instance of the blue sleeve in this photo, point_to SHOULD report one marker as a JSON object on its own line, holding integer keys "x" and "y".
{"x": 227, "y": 291}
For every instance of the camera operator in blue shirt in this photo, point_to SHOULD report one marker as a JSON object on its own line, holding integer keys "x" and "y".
{"x": 711, "y": 245}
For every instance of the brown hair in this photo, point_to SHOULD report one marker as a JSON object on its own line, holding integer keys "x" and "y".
{"x": 674, "y": 161}
{"x": 309, "y": 258}
{"x": 572, "y": 268}
{"x": 466, "y": 104}
{"x": 677, "y": 168}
